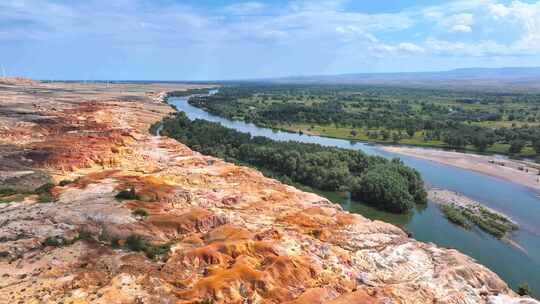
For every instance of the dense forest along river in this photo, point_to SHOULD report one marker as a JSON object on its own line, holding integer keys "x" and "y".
{"x": 514, "y": 265}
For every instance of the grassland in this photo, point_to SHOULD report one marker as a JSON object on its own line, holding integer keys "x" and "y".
{"x": 418, "y": 139}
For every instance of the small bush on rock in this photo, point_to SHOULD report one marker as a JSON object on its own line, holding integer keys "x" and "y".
{"x": 128, "y": 194}
{"x": 140, "y": 212}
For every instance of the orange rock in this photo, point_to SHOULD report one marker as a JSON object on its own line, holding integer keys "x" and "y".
{"x": 235, "y": 236}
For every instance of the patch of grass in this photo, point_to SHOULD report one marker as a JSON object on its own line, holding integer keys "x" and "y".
{"x": 8, "y": 195}
{"x": 490, "y": 226}
{"x": 495, "y": 217}
{"x": 455, "y": 215}
{"x": 8, "y": 191}
{"x": 490, "y": 222}
{"x": 140, "y": 212}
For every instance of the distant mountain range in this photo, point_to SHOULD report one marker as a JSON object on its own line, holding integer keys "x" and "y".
{"x": 499, "y": 79}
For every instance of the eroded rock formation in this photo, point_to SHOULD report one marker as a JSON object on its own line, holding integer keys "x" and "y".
{"x": 227, "y": 234}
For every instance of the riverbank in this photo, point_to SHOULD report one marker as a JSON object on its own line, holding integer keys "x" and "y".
{"x": 520, "y": 172}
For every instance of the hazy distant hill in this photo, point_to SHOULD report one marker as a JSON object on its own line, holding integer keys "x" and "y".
{"x": 499, "y": 79}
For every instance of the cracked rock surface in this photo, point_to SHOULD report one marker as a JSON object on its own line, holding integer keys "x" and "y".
{"x": 231, "y": 235}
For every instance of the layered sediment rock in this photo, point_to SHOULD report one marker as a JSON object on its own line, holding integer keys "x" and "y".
{"x": 232, "y": 235}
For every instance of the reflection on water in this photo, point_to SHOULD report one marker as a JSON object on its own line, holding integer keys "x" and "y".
{"x": 428, "y": 224}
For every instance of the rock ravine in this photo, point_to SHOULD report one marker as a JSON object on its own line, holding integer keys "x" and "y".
{"x": 188, "y": 228}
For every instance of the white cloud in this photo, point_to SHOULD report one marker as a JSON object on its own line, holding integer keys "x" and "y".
{"x": 404, "y": 48}
{"x": 351, "y": 32}
{"x": 245, "y": 8}
{"x": 319, "y": 30}
{"x": 499, "y": 10}
{"x": 528, "y": 16}
{"x": 410, "y": 47}
{"x": 461, "y": 28}
{"x": 457, "y": 49}
{"x": 461, "y": 22}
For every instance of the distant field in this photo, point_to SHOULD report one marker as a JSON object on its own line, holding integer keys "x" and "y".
{"x": 479, "y": 121}
{"x": 416, "y": 140}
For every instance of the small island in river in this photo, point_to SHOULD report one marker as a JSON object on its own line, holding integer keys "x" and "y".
{"x": 467, "y": 213}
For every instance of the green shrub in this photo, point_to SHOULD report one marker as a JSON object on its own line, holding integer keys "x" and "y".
{"x": 523, "y": 289}
{"x": 55, "y": 241}
{"x": 127, "y": 194}
{"x": 45, "y": 188}
{"x": 157, "y": 250}
{"x": 104, "y": 236}
{"x": 137, "y": 243}
{"x": 65, "y": 182}
{"x": 44, "y": 193}
{"x": 45, "y": 197}
{"x": 115, "y": 242}
{"x": 84, "y": 235}
{"x": 8, "y": 192}
{"x": 140, "y": 212}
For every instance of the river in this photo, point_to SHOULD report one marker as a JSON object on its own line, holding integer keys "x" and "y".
{"x": 514, "y": 265}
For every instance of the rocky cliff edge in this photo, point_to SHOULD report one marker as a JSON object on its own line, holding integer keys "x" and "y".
{"x": 209, "y": 232}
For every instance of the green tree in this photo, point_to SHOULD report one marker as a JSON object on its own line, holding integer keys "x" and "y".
{"x": 411, "y": 131}
{"x": 385, "y": 189}
{"x": 536, "y": 143}
{"x": 385, "y": 134}
{"x": 516, "y": 146}
{"x": 455, "y": 140}
{"x": 395, "y": 137}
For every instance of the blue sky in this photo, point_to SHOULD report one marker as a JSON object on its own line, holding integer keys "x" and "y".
{"x": 223, "y": 39}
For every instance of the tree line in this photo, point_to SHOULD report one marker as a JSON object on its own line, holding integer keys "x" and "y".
{"x": 274, "y": 105}
{"x": 388, "y": 185}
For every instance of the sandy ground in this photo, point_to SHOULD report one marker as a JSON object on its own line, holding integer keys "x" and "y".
{"x": 519, "y": 172}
